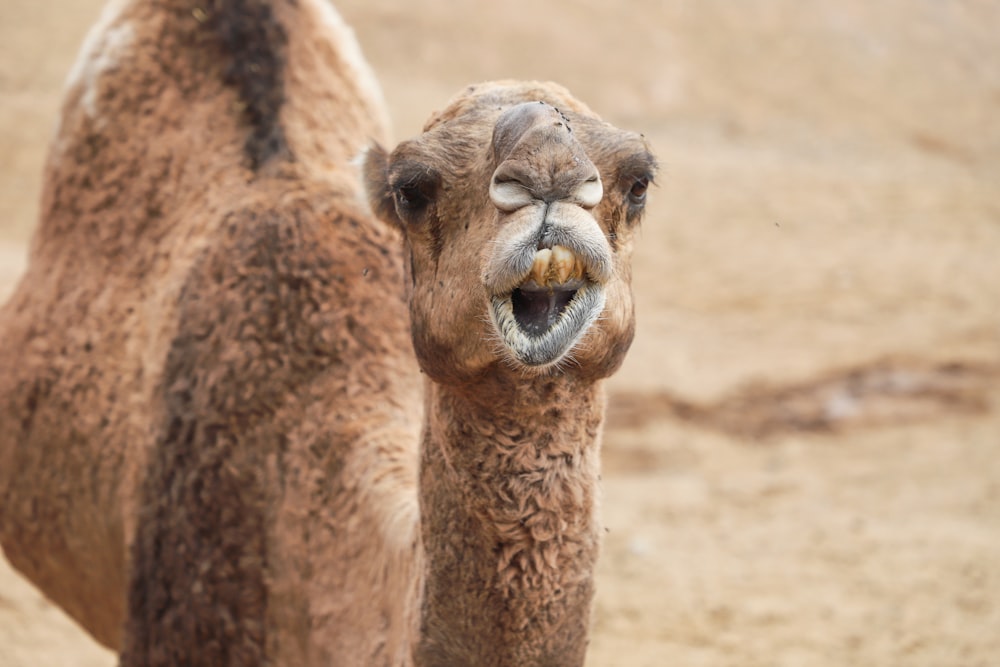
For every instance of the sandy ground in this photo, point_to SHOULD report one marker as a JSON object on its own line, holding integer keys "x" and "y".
{"x": 802, "y": 461}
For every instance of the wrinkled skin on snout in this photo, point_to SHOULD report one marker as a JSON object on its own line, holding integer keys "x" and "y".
{"x": 518, "y": 206}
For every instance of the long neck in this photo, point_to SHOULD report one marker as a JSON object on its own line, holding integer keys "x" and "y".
{"x": 508, "y": 493}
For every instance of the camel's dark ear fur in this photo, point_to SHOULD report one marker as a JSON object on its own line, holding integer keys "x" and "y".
{"x": 374, "y": 168}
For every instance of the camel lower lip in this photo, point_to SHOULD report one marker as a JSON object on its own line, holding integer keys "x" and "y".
{"x": 539, "y": 327}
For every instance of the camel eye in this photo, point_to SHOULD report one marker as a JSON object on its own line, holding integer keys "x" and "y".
{"x": 413, "y": 190}
{"x": 637, "y": 194}
{"x": 410, "y": 197}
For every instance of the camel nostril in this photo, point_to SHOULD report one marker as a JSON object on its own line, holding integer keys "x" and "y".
{"x": 589, "y": 193}
{"x": 508, "y": 192}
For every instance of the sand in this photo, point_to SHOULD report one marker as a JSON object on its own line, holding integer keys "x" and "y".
{"x": 802, "y": 457}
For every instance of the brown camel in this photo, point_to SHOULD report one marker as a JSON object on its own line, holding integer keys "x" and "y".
{"x": 211, "y": 449}
{"x": 518, "y": 207}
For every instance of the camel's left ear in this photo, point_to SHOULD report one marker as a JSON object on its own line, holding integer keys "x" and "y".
{"x": 375, "y": 171}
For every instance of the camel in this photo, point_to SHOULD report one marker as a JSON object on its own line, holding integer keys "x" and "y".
{"x": 261, "y": 406}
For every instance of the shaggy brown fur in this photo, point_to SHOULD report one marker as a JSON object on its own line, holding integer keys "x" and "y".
{"x": 209, "y": 396}
{"x": 209, "y": 353}
{"x": 509, "y": 462}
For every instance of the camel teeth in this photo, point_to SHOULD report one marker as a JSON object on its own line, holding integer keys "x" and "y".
{"x": 561, "y": 265}
{"x": 540, "y": 267}
{"x": 555, "y": 266}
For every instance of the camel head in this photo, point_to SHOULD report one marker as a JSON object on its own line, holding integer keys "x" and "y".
{"x": 518, "y": 206}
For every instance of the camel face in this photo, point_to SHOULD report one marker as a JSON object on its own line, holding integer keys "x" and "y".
{"x": 518, "y": 206}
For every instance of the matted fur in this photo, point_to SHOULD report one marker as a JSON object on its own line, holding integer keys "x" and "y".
{"x": 211, "y": 331}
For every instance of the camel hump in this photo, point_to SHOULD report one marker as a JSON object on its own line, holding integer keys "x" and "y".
{"x": 250, "y": 42}
{"x": 140, "y": 61}
{"x": 172, "y": 104}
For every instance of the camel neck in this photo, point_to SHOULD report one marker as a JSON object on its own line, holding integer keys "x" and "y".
{"x": 508, "y": 492}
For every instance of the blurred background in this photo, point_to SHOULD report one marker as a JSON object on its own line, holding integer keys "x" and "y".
{"x": 802, "y": 455}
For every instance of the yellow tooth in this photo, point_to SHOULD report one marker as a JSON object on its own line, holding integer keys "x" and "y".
{"x": 562, "y": 264}
{"x": 577, "y": 273}
{"x": 541, "y": 266}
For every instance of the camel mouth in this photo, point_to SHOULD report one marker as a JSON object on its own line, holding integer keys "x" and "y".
{"x": 538, "y": 307}
{"x": 546, "y": 315}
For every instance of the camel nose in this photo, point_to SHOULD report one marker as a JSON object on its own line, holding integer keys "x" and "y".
{"x": 539, "y": 160}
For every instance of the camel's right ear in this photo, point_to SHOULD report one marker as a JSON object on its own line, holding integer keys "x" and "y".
{"x": 375, "y": 170}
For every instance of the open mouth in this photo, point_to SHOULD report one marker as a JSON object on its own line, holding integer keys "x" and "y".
{"x": 547, "y": 314}
{"x": 537, "y": 307}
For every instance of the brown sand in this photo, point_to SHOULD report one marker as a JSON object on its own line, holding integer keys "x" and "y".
{"x": 802, "y": 462}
